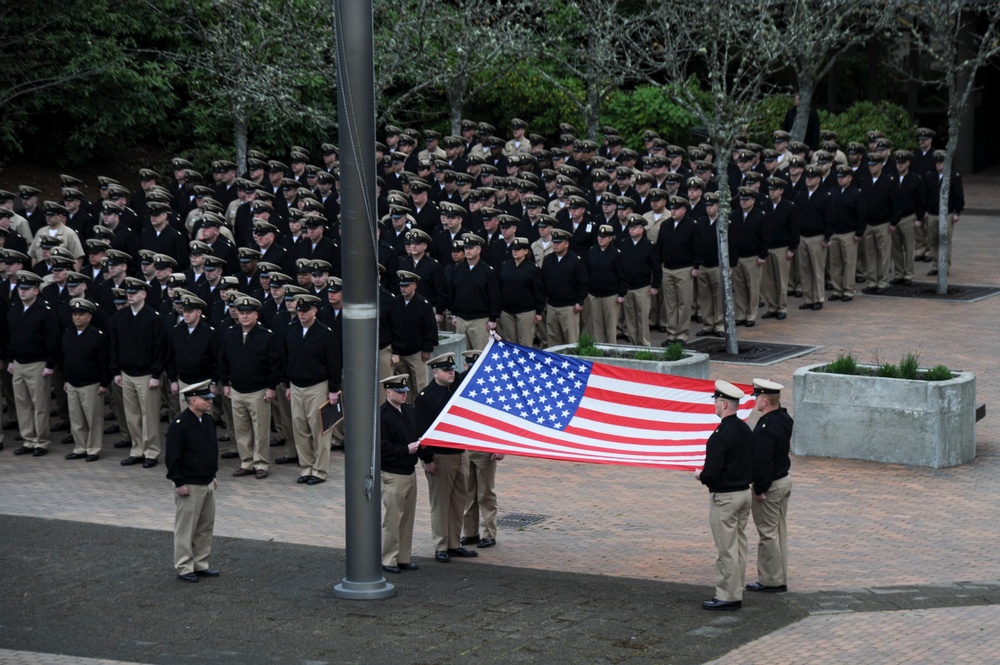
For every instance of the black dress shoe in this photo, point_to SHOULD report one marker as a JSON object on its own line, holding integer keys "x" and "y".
{"x": 240, "y": 472}
{"x": 696, "y": 318}
{"x": 409, "y": 566}
{"x": 662, "y": 329}
{"x": 75, "y": 456}
{"x": 828, "y": 286}
{"x": 129, "y": 461}
{"x": 781, "y": 316}
{"x": 287, "y": 460}
{"x": 112, "y": 429}
{"x": 741, "y": 322}
{"x": 392, "y": 569}
{"x": 315, "y": 480}
{"x": 860, "y": 280}
{"x": 834, "y": 297}
{"x": 67, "y": 439}
{"x": 763, "y": 588}
{"x": 798, "y": 293}
{"x": 750, "y": 324}
{"x": 768, "y": 315}
{"x": 24, "y": 450}
{"x": 817, "y": 306}
{"x": 224, "y": 438}
{"x": 148, "y": 463}
{"x": 806, "y": 305}
{"x": 277, "y": 443}
{"x": 907, "y": 282}
{"x": 123, "y": 444}
{"x": 208, "y": 572}
{"x": 847, "y": 299}
{"x": 722, "y": 605}
{"x": 720, "y": 333}
{"x": 188, "y": 577}
{"x": 868, "y": 289}
{"x": 931, "y": 273}
{"x": 441, "y": 557}
{"x": 10, "y": 426}
{"x": 896, "y": 280}
{"x": 469, "y": 540}
{"x": 486, "y": 542}
{"x": 229, "y": 454}
{"x": 700, "y": 333}
{"x": 302, "y": 480}
{"x": 461, "y": 552}
{"x": 39, "y": 452}
{"x": 92, "y": 458}
{"x": 60, "y": 426}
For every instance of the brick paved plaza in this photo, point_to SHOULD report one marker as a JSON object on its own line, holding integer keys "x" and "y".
{"x": 888, "y": 563}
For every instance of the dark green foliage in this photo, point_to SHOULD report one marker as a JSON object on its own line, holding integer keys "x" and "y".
{"x": 844, "y": 364}
{"x": 585, "y": 347}
{"x": 888, "y": 371}
{"x": 886, "y": 117}
{"x": 909, "y": 366}
{"x": 938, "y": 373}
{"x": 648, "y": 107}
{"x": 674, "y": 352}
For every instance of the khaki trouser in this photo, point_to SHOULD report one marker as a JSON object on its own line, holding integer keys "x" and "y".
{"x": 636, "y": 308}
{"x": 168, "y": 399}
{"x": 812, "y": 265}
{"x": 920, "y": 244}
{"x": 312, "y": 446}
{"x": 710, "y": 297}
{"x": 86, "y": 418}
{"x": 601, "y": 319}
{"x": 657, "y": 310}
{"x": 774, "y": 280}
{"x": 414, "y": 365}
{"x": 447, "y": 488}
{"x": 252, "y": 420}
{"x": 193, "y": 526}
{"x": 769, "y": 517}
{"x": 482, "y": 499}
{"x": 746, "y": 289}
{"x": 32, "y": 401}
{"x": 142, "y": 413}
{"x": 903, "y": 244}
{"x": 118, "y": 408}
{"x": 399, "y": 506}
{"x": 678, "y": 293}
{"x": 727, "y": 516}
{"x": 562, "y": 325}
{"x": 878, "y": 255}
{"x": 475, "y": 331}
{"x": 7, "y": 390}
{"x": 843, "y": 257}
{"x": 518, "y": 328}
{"x": 281, "y": 415}
{"x": 934, "y": 240}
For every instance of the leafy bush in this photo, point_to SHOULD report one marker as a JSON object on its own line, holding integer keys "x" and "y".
{"x": 644, "y": 355}
{"x": 938, "y": 373}
{"x": 909, "y": 366}
{"x": 632, "y": 112}
{"x": 891, "y": 119}
{"x": 674, "y": 352}
{"x": 888, "y": 371}
{"x": 844, "y": 364}
{"x": 769, "y": 116}
{"x": 585, "y": 347}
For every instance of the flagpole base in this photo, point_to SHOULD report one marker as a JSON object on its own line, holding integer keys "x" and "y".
{"x": 376, "y": 590}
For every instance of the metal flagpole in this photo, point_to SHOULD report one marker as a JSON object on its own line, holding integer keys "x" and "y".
{"x": 362, "y": 487}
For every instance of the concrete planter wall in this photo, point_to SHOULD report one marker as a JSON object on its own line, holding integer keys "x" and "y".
{"x": 694, "y": 366}
{"x": 898, "y": 421}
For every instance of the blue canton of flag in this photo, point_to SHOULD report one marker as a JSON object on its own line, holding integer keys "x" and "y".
{"x": 541, "y": 387}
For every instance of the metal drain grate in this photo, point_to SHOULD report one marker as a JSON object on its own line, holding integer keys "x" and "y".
{"x": 956, "y": 292}
{"x": 518, "y": 520}
{"x": 750, "y": 353}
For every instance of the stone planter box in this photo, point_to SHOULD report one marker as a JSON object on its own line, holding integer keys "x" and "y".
{"x": 694, "y": 366}
{"x": 898, "y": 421}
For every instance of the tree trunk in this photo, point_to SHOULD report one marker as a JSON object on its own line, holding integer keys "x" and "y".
{"x": 725, "y": 272}
{"x": 944, "y": 217}
{"x": 240, "y": 131}
{"x": 801, "y": 124}
{"x": 456, "y": 117}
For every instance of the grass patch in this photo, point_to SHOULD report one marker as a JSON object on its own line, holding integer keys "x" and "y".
{"x": 909, "y": 366}
{"x": 585, "y": 347}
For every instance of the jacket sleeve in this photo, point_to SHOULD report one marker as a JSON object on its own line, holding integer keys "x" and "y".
{"x": 275, "y": 361}
{"x": 582, "y": 281}
{"x": 53, "y": 341}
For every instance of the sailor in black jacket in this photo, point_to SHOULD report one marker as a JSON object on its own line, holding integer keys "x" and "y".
{"x": 192, "y": 347}
{"x": 522, "y": 295}
{"x": 413, "y": 328}
{"x": 849, "y": 221}
{"x": 606, "y": 287}
{"x": 643, "y": 275}
{"x": 86, "y": 368}
{"x": 192, "y": 461}
{"x": 815, "y": 224}
{"x": 138, "y": 355}
{"x": 474, "y": 295}
{"x": 399, "y": 483}
{"x": 727, "y": 474}
{"x": 772, "y": 486}
{"x": 564, "y": 275}
{"x": 679, "y": 251}
{"x": 313, "y": 374}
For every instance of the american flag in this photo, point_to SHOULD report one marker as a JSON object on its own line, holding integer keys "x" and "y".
{"x": 522, "y": 401}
